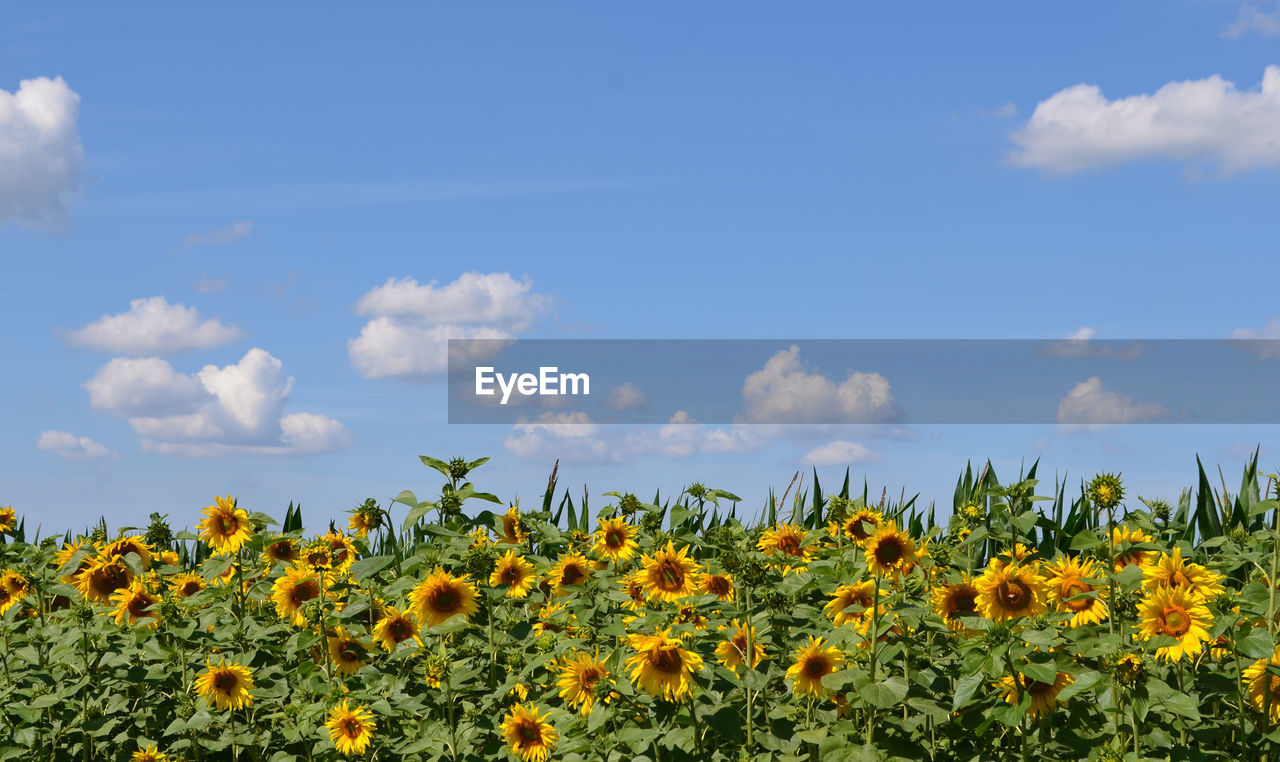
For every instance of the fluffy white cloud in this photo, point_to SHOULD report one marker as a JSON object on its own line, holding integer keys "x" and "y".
{"x": 841, "y": 453}
{"x": 1090, "y": 403}
{"x": 567, "y": 436}
{"x": 407, "y": 335}
{"x": 1207, "y": 119}
{"x": 237, "y": 409}
{"x": 153, "y": 326}
{"x": 216, "y": 237}
{"x": 1270, "y": 332}
{"x": 783, "y": 392}
{"x": 64, "y": 444}
{"x": 573, "y": 436}
{"x": 683, "y": 436}
{"x": 40, "y": 153}
{"x": 625, "y": 397}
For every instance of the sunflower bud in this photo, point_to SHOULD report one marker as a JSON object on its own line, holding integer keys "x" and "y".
{"x": 458, "y": 469}
{"x": 628, "y": 504}
{"x": 652, "y": 522}
{"x": 696, "y": 490}
{"x": 159, "y": 534}
{"x": 1106, "y": 491}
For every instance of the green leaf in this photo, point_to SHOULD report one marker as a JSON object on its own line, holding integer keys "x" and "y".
{"x": 884, "y": 694}
{"x": 965, "y": 688}
{"x": 1256, "y": 645}
{"x": 367, "y": 567}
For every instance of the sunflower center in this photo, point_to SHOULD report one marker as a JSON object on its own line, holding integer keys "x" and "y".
{"x": 1074, "y": 588}
{"x": 1174, "y": 621}
{"x": 446, "y": 600}
{"x": 789, "y": 544}
{"x": 856, "y": 529}
{"x": 1039, "y": 689}
{"x": 1013, "y": 593}
{"x": 351, "y": 727}
{"x": 190, "y": 588}
{"x": 305, "y": 591}
{"x": 889, "y": 551}
{"x": 964, "y": 604}
{"x": 510, "y": 575}
{"x": 225, "y": 681}
{"x": 110, "y": 579}
{"x": 614, "y": 539}
{"x": 670, "y": 575}
{"x": 816, "y": 666}
{"x": 718, "y": 585}
{"x": 529, "y": 733}
{"x": 666, "y": 660}
{"x": 398, "y": 629}
{"x": 572, "y": 575}
{"x": 139, "y": 604}
{"x": 348, "y": 653}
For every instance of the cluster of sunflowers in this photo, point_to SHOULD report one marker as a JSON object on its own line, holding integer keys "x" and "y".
{"x": 658, "y": 632}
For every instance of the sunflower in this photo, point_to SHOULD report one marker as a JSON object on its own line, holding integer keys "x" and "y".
{"x": 553, "y": 617}
{"x": 1044, "y": 696}
{"x": 889, "y": 550}
{"x": 1073, "y": 592}
{"x": 571, "y": 569}
{"x": 784, "y": 540}
{"x": 8, "y": 519}
{"x": 350, "y": 728}
{"x": 1125, "y": 534}
{"x": 813, "y": 662}
{"x": 1019, "y": 554}
{"x": 169, "y": 558}
{"x": 101, "y": 577}
{"x": 126, "y": 545}
{"x": 67, "y": 552}
{"x": 1128, "y": 669}
{"x": 360, "y": 523}
{"x": 633, "y": 586}
{"x": 669, "y": 574}
{"x": 1264, "y": 687}
{"x": 955, "y": 600}
{"x": 1010, "y": 591}
{"x": 615, "y": 539}
{"x": 13, "y": 587}
{"x": 186, "y": 584}
{"x": 342, "y": 551}
{"x": 346, "y": 651}
{"x": 318, "y": 556}
{"x": 283, "y": 550}
{"x": 514, "y": 572}
{"x": 225, "y": 527}
{"x": 529, "y": 733}
{"x": 862, "y": 524}
{"x": 845, "y": 596}
{"x": 513, "y": 530}
{"x": 1178, "y": 614}
{"x": 133, "y": 604}
{"x": 395, "y": 627}
{"x": 226, "y": 684}
{"x": 578, "y": 679}
{"x": 148, "y": 753}
{"x": 733, "y": 651}
{"x": 661, "y": 666}
{"x": 441, "y": 596}
{"x": 719, "y": 585}
{"x": 292, "y": 591}
{"x": 1170, "y": 570}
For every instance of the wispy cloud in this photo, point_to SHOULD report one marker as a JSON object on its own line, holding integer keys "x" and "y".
{"x": 1252, "y": 19}
{"x": 216, "y": 237}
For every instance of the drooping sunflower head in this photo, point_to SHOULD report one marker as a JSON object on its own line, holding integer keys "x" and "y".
{"x": 513, "y": 529}
{"x": 889, "y": 551}
{"x": 442, "y": 596}
{"x": 1075, "y": 588}
{"x": 226, "y": 685}
{"x": 514, "y": 573}
{"x": 572, "y": 569}
{"x": 1010, "y": 591}
{"x": 1170, "y": 570}
{"x": 292, "y": 590}
{"x": 124, "y": 546}
{"x": 578, "y": 679}
{"x": 661, "y": 666}
{"x": 282, "y": 550}
{"x": 395, "y": 627}
{"x": 1044, "y": 696}
{"x": 133, "y": 605}
{"x": 733, "y": 650}
{"x": 101, "y": 577}
{"x": 669, "y": 574}
{"x": 814, "y": 661}
{"x": 955, "y": 600}
{"x": 1124, "y": 537}
{"x": 784, "y": 540}
{"x": 1264, "y": 687}
{"x": 615, "y": 539}
{"x": 225, "y": 527}
{"x": 1178, "y": 614}
{"x": 529, "y": 733}
{"x": 852, "y": 604}
{"x": 719, "y": 585}
{"x": 346, "y": 651}
{"x": 350, "y": 728}
{"x": 633, "y": 586}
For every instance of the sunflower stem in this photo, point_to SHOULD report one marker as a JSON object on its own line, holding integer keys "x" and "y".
{"x": 869, "y": 734}
{"x": 750, "y": 651}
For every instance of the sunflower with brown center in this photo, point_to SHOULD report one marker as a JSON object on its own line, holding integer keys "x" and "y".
{"x": 1170, "y": 570}
{"x": 226, "y": 685}
{"x": 1125, "y": 538}
{"x": 719, "y": 585}
{"x": 1074, "y": 588}
{"x": 889, "y": 552}
{"x": 670, "y": 575}
{"x": 633, "y": 586}
{"x": 395, "y": 627}
{"x": 1264, "y": 687}
{"x": 186, "y": 584}
{"x": 1010, "y": 591}
{"x": 733, "y": 650}
{"x": 101, "y": 577}
{"x": 13, "y": 587}
{"x": 282, "y": 550}
{"x": 814, "y": 661}
{"x": 342, "y": 551}
{"x": 1177, "y": 614}
{"x": 572, "y": 569}
{"x": 514, "y": 573}
{"x": 862, "y": 524}
{"x": 661, "y": 666}
{"x": 956, "y": 600}
{"x": 1044, "y": 696}
{"x": 442, "y": 596}
{"x": 8, "y": 519}
{"x": 291, "y": 592}
{"x": 124, "y": 546}
{"x": 528, "y": 733}
{"x": 786, "y": 542}
{"x": 513, "y": 530}
{"x": 852, "y": 604}
{"x": 578, "y": 678}
{"x": 615, "y": 540}
{"x": 346, "y": 651}
{"x": 63, "y": 559}
{"x": 225, "y": 527}
{"x": 350, "y": 728}
{"x": 133, "y": 604}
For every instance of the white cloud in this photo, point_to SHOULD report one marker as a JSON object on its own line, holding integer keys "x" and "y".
{"x": 216, "y": 237}
{"x": 407, "y": 335}
{"x": 1270, "y": 332}
{"x": 567, "y": 436}
{"x": 575, "y": 437}
{"x": 237, "y": 409}
{"x": 683, "y": 436}
{"x": 840, "y": 453}
{"x": 625, "y": 397}
{"x": 64, "y": 444}
{"x": 1207, "y": 119}
{"x": 1251, "y": 18}
{"x": 1089, "y": 403}
{"x": 153, "y": 326}
{"x": 783, "y": 392}
{"x": 40, "y": 153}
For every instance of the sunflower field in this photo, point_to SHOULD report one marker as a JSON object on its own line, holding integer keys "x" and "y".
{"x": 827, "y": 626}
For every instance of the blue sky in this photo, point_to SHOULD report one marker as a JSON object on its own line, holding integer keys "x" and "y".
{"x": 719, "y": 171}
